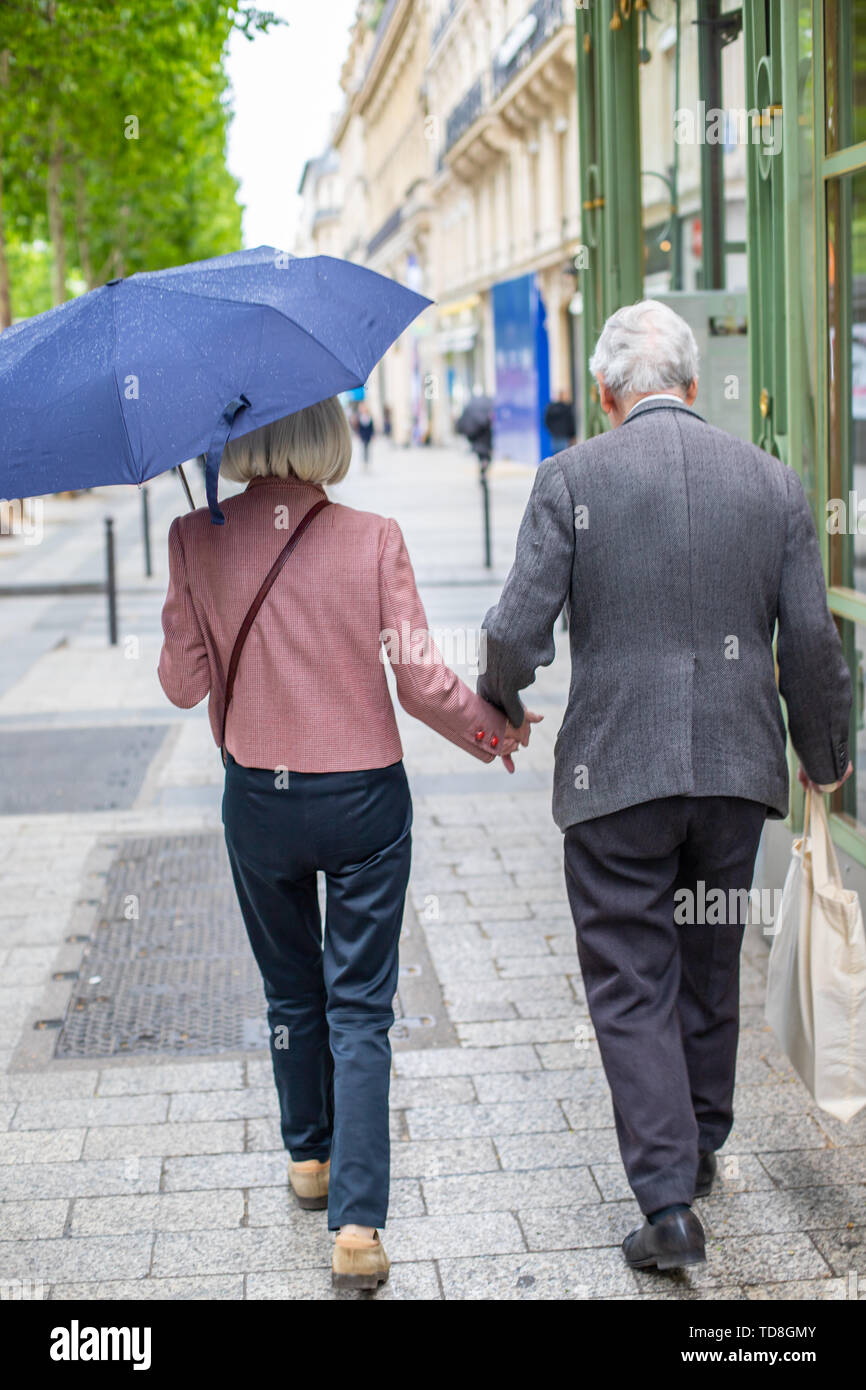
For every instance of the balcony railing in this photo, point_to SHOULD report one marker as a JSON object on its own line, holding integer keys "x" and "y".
{"x": 443, "y": 21}
{"x": 388, "y": 228}
{"x": 539, "y": 23}
{"x": 465, "y": 112}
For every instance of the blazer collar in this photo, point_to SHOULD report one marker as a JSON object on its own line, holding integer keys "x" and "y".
{"x": 261, "y": 481}
{"x": 656, "y": 403}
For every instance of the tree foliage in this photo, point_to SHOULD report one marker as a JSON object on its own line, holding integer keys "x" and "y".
{"x": 113, "y": 123}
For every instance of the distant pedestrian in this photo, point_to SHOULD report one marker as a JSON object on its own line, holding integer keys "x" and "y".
{"x": 315, "y": 782}
{"x": 560, "y": 423}
{"x": 476, "y": 425}
{"x": 387, "y": 422}
{"x": 366, "y": 430}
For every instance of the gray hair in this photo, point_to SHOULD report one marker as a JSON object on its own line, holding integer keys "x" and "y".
{"x": 313, "y": 444}
{"x": 645, "y": 347}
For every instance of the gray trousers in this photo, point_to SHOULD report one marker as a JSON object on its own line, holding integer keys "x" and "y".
{"x": 663, "y": 997}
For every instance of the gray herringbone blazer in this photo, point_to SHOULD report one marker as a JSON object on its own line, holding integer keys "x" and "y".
{"x": 677, "y": 549}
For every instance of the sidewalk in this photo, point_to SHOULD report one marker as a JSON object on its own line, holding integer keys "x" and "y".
{"x": 161, "y": 1175}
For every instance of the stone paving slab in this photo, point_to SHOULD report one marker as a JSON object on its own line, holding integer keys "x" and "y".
{"x": 87, "y": 1257}
{"x": 553, "y": 1275}
{"x": 225, "y": 1170}
{"x": 516, "y": 1030}
{"x": 228, "y": 1252}
{"x": 28, "y": 1220}
{"x": 507, "y": 1191}
{"x": 229, "y": 1289}
{"x": 437, "y": 1237}
{"x": 433, "y": 1158}
{"x": 182, "y": 1077}
{"x": 409, "y": 1281}
{"x": 181, "y": 1211}
{"x": 568, "y": 1149}
{"x": 274, "y": 1206}
{"x": 85, "y": 1178}
{"x": 464, "y": 1121}
{"x": 798, "y": 1209}
{"x": 756, "y": 1259}
{"x": 118, "y": 1141}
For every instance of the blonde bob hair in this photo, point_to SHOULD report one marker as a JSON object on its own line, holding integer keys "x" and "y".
{"x": 313, "y": 445}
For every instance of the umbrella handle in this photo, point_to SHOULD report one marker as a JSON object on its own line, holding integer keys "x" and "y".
{"x": 182, "y": 475}
{"x": 214, "y": 454}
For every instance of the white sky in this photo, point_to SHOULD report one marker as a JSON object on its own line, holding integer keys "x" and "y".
{"x": 286, "y": 89}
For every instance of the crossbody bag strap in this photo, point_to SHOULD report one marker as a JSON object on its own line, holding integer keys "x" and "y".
{"x": 256, "y": 605}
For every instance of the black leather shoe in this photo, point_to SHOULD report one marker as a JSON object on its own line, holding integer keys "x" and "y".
{"x": 707, "y": 1166}
{"x": 676, "y": 1240}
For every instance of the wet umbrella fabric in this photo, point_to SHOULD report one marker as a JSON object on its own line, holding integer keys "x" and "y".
{"x": 141, "y": 374}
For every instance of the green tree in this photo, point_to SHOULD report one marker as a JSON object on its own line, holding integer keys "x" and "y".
{"x": 113, "y": 123}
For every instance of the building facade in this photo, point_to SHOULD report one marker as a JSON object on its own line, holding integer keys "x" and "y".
{"x": 456, "y": 155}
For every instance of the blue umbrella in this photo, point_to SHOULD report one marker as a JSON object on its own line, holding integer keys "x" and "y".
{"x": 133, "y": 378}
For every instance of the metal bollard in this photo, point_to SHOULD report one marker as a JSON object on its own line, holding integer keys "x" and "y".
{"x": 145, "y": 531}
{"x": 484, "y": 464}
{"x": 110, "y": 581}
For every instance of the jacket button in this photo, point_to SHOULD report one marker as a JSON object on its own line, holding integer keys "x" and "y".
{"x": 479, "y": 735}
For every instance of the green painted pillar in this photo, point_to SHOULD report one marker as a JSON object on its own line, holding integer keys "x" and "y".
{"x": 610, "y": 180}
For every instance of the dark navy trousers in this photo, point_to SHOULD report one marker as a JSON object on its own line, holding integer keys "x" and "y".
{"x": 330, "y": 999}
{"x": 664, "y": 997}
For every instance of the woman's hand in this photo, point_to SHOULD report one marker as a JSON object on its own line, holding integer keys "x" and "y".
{"x": 517, "y": 738}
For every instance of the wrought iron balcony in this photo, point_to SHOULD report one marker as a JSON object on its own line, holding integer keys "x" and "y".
{"x": 540, "y": 23}
{"x": 465, "y": 112}
{"x": 387, "y": 229}
{"x": 443, "y": 21}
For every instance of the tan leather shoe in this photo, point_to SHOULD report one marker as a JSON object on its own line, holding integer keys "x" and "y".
{"x": 309, "y": 1182}
{"x": 359, "y": 1263}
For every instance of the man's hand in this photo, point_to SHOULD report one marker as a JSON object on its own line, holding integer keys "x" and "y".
{"x": 816, "y": 786}
{"x": 517, "y": 738}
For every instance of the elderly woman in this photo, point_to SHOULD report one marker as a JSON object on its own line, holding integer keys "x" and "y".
{"x": 314, "y": 782}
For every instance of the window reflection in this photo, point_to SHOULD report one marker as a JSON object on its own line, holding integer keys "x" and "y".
{"x": 850, "y": 800}
{"x": 846, "y": 289}
{"x": 845, "y": 82}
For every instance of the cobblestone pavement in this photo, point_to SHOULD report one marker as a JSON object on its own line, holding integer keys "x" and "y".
{"x": 162, "y": 1176}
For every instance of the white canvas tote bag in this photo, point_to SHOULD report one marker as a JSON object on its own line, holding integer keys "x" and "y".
{"x": 816, "y": 982}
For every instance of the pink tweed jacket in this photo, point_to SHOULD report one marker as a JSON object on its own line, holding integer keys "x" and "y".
{"x": 311, "y": 692}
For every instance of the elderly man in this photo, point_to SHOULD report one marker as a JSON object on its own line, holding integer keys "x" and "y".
{"x": 678, "y": 550}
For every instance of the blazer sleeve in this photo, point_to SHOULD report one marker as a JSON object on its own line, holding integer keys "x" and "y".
{"x": 184, "y": 671}
{"x": 426, "y": 687}
{"x": 814, "y": 679}
{"x": 520, "y": 629}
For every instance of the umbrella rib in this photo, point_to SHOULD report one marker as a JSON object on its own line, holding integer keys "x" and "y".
{"x": 129, "y": 449}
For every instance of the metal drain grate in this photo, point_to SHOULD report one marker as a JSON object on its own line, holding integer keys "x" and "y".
{"x": 169, "y": 969}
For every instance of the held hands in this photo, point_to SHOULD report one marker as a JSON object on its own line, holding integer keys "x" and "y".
{"x": 517, "y": 738}
{"x": 830, "y": 787}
